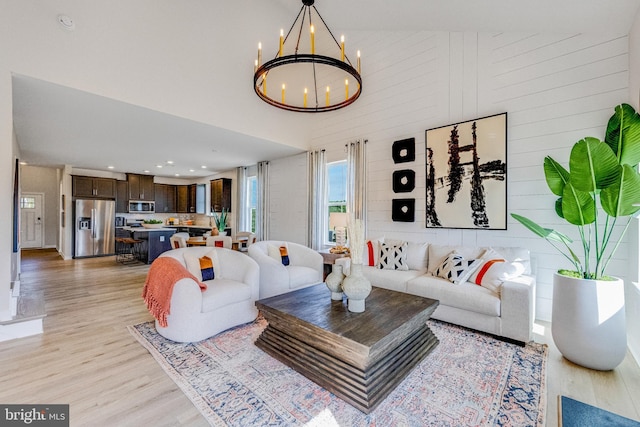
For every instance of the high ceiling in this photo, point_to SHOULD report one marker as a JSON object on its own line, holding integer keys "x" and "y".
{"x": 87, "y": 97}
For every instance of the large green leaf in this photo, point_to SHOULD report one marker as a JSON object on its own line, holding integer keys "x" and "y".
{"x": 578, "y": 207}
{"x": 618, "y": 199}
{"x": 556, "y": 176}
{"x": 623, "y": 134}
{"x": 540, "y": 231}
{"x": 593, "y": 165}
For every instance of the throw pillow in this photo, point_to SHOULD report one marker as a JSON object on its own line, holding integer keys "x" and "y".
{"x": 494, "y": 270}
{"x": 371, "y": 251}
{"x": 393, "y": 257}
{"x": 205, "y": 267}
{"x": 279, "y": 253}
{"x": 456, "y": 269}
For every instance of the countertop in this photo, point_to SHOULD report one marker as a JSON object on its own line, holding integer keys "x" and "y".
{"x": 139, "y": 229}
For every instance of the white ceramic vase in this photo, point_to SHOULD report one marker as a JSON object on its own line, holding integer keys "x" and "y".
{"x": 356, "y": 287}
{"x": 588, "y": 321}
{"x": 334, "y": 282}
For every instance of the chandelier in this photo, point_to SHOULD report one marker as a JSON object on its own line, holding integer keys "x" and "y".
{"x": 310, "y": 71}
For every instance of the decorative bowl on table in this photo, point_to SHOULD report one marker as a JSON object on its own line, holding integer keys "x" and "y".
{"x": 152, "y": 225}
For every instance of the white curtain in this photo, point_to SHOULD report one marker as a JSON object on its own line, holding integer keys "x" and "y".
{"x": 357, "y": 180}
{"x": 241, "y": 210}
{"x": 262, "y": 214}
{"x": 318, "y": 226}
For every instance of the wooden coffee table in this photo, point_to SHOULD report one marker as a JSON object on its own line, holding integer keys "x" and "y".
{"x": 360, "y": 357}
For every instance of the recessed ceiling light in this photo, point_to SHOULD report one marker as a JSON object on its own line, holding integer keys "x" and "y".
{"x": 23, "y": 163}
{"x": 169, "y": 162}
{"x": 177, "y": 174}
{"x": 159, "y": 166}
{"x": 192, "y": 170}
{"x": 66, "y": 22}
{"x": 203, "y": 167}
{"x": 110, "y": 167}
{"x": 146, "y": 171}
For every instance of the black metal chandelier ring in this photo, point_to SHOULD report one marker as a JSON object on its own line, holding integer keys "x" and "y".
{"x": 263, "y": 71}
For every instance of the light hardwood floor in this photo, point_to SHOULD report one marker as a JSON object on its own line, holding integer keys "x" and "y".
{"x": 87, "y": 358}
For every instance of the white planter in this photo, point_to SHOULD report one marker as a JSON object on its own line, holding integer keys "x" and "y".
{"x": 588, "y": 321}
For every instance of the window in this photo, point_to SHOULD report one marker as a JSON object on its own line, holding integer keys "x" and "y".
{"x": 27, "y": 203}
{"x": 336, "y": 191}
{"x": 252, "y": 202}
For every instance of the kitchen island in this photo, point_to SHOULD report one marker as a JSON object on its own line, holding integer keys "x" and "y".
{"x": 154, "y": 240}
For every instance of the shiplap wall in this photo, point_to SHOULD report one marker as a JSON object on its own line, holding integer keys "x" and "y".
{"x": 556, "y": 89}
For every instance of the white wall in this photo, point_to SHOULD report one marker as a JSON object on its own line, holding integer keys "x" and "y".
{"x": 632, "y": 290}
{"x": 289, "y": 199}
{"x": 44, "y": 180}
{"x": 556, "y": 89}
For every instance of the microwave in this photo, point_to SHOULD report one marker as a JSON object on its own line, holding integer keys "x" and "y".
{"x": 141, "y": 206}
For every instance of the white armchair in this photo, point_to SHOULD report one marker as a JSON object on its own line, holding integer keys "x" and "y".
{"x": 179, "y": 240}
{"x": 304, "y": 269}
{"x": 228, "y": 301}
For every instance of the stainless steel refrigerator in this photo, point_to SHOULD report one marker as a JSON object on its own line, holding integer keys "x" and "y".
{"x": 95, "y": 227}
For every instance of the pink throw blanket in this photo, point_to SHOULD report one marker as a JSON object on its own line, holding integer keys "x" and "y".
{"x": 163, "y": 274}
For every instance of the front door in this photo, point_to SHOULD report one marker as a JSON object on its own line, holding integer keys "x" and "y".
{"x": 31, "y": 225}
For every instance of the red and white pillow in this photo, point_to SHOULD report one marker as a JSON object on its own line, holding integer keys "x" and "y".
{"x": 495, "y": 269}
{"x": 372, "y": 252}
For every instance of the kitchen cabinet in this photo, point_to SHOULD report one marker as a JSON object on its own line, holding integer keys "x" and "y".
{"x": 141, "y": 187}
{"x": 182, "y": 199}
{"x": 86, "y": 186}
{"x": 122, "y": 196}
{"x": 221, "y": 195}
{"x": 165, "y": 198}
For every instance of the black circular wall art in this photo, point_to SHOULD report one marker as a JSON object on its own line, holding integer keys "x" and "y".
{"x": 404, "y": 150}
{"x": 404, "y": 181}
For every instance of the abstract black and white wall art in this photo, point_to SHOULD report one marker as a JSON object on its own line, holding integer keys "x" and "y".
{"x": 404, "y": 150}
{"x": 466, "y": 174}
{"x": 404, "y": 181}
{"x": 403, "y": 210}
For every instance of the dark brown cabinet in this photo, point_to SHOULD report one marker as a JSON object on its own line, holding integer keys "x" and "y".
{"x": 141, "y": 187}
{"x": 86, "y": 186}
{"x": 221, "y": 195}
{"x": 165, "y": 198}
{"x": 182, "y": 198}
{"x": 122, "y": 196}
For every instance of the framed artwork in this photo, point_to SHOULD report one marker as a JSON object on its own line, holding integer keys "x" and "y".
{"x": 466, "y": 174}
{"x": 404, "y": 150}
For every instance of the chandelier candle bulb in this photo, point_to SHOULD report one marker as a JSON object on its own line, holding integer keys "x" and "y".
{"x": 283, "y": 93}
{"x": 358, "y": 54}
{"x": 342, "y": 48}
{"x": 304, "y": 102}
{"x": 346, "y": 89}
{"x": 327, "y": 97}
{"x": 259, "y": 54}
{"x": 281, "y": 42}
{"x": 255, "y": 66}
{"x": 313, "y": 41}
{"x": 264, "y": 84}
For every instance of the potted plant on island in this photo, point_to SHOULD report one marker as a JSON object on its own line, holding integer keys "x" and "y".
{"x": 588, "y": 318}
{"x": 221, "y": 221}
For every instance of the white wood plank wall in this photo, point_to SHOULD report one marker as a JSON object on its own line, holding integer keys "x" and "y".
{"x": 556, "y": 89}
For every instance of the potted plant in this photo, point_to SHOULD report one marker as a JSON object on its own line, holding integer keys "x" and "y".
{"x": 601, "y": 187}
{"x": 221, "y": 221}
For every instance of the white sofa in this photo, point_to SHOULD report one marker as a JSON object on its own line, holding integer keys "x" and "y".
{"x": 508, "y": 313}
{"x": 228, "y": 301}
{"x": 305, "y": 267}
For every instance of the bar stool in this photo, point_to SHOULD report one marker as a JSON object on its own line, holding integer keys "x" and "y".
{"x": 127, "y": 250}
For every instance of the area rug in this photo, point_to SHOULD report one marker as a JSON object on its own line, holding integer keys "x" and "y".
{"x": 470, "y": 379}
